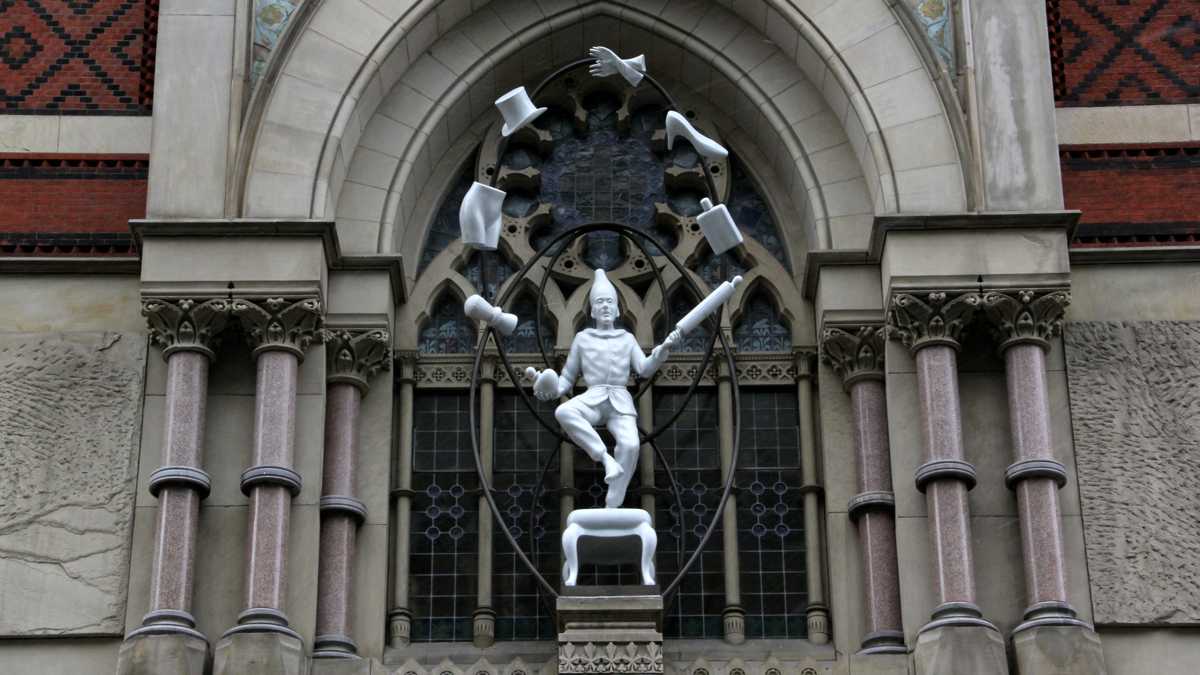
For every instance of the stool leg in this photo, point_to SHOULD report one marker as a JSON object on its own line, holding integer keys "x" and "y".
{"x": 649, "y": 545}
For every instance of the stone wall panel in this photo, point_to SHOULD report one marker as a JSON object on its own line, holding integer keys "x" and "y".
{"x": 1135, "y": 407}
{"x": 70, "y": 408}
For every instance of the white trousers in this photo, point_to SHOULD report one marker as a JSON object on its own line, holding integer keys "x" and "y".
{"x": 579, "y": 420}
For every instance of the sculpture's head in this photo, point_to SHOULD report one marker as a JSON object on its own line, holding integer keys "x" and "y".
{"x": 603, "y": 298}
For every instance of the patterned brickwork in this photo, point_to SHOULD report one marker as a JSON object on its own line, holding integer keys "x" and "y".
{"x": 1125, "y": 52}
{"x": 1147, "y": 195}
{"x": 70, "y": 204}
{"x": 77, "y": 56}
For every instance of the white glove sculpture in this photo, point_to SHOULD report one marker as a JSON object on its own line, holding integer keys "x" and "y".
{"x": 478, "y": 309}
{"x": 677, "y": 125}
{"x": 608, "y": 63}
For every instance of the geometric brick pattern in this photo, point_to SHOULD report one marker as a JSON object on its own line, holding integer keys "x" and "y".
{"x": 77, "y": 56}
{"x": 1124, "y": 52}
{"x": 1133, "y": 195}
{"x": 45, "y": 198}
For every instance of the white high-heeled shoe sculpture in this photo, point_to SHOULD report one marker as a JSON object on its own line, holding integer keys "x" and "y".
{"x": 479, "y": 216}
{"x": 608, "y": 63}
{"x": 718, "y": 227}
{"x": 478, "y": 309}
{"x": 517, "y": 109}
{"x": 677, "y": 125}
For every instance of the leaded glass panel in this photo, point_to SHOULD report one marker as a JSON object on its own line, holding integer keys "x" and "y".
{"x": 444, "y": 228}
{"x": 761, "y": 328}
{"x": 524, "y": 338}
{"x": 682, "y": 302}
{"x": 448, "y": 330}
{"x": 444, "y": 539}
{"x": 751, "y": 213}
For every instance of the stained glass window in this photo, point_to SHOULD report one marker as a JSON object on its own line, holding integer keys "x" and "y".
{"x": 770, "y": 515}
{"x": 682, "y": 302}
{"x": 448, "y": 330}
{"x": 524, "y": 338}
{"x": 444, "y": 539}
{"x": 499, "y": 270}
{"x": 522, "y": 448}
{"x": 761, "y": 328}
{"x": 444, "y": 228}
{"x": 751, "y": 213}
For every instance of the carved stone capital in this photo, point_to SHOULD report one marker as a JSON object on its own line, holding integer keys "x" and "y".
{"x": 854, "y": 352}
{"x": 1025, "y": 316}
{"x": 931, "y": 318}
{"x": 284, "y": 324}
{"x": 354, "y": 356}
{"x": 406, "y": 366}
{"x": 184, "y": 324}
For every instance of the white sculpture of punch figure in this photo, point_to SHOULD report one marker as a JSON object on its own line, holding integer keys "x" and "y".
{"x": 605, "y": 355}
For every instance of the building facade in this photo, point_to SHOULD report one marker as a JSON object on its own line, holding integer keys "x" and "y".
{"x": 242, "y": 406}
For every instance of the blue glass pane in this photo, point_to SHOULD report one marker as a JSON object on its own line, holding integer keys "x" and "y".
{"x": 681, "y": 303}
{"x": 524, "y": 338}
{"x": 448, "y": 330}
{"x": 444, "y": 228}
{"x": 751, "y": 213}
{"x": 499, "y": 270}
{"x": 761, "y": 329}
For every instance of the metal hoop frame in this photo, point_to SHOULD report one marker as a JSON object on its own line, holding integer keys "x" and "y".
{"x": 640, "y": 240}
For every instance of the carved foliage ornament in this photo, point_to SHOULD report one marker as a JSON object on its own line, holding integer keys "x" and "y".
{"x": 184, "y": 324}
{"x": 854, "y": 353}
{"x": 285, "y": 324}
{"x": 590, "y": 657}
{"x": 355, "y": 356}
{"x": 935, "y": 318}
{"x": 1026, "y": 316}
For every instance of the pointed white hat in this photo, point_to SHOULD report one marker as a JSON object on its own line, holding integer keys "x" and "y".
{"x": 601, "y": 286}
{"x": 518, "y": 110}
{"x": 479, "y": 216}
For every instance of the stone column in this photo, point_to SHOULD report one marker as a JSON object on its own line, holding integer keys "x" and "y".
{"x": 279, "y": 330}
{"x": 1024, "y": 322}
{"x": 400, "y": 616}
{"x": 817, "y": 611}
{"x": 352, "y": 357}
{"x": 734, "y": 615}
{"x": 856, "y": 355}
{"x": 930, "y": 325}
{"x": 484, "y": 618}
{"x": 185, "y": 330}
{"x": 646, "y": 456}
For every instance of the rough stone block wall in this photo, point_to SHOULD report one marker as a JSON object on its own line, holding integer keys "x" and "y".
{"x": 1124, "y": 52}
{"x": 1133, "y": 194}
{"x": 90, "y": 57}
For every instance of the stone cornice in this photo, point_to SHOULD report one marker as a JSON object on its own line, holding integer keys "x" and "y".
{"x": 931, "y": 318}
{"x": 283, "y": 324}
{"x": 355, "y": 355}
{"x": 1025, "y": 316}
{"x": 854, "y": 352}
{"x": 184, "y": 324}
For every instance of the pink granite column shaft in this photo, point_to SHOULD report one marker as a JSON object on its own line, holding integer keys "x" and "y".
{"x": 341, "y": 513}
{"x": 875, "y": 516}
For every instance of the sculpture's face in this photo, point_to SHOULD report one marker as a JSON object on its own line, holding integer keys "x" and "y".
{"x": 604, "y": 308}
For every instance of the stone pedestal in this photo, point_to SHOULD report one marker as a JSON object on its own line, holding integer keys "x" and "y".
{"x": 1058, "y": 650}
{"x": 610, "y": 629}
{"x": 353, "y": 666}
{"x": 163, "y": 654}
{"x": 880, "y": 664}
{"x": 956, "y": 650}
{"x": 259, "y": 654}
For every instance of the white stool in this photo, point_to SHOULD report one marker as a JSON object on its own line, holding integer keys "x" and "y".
{"x": 608, "y": 536}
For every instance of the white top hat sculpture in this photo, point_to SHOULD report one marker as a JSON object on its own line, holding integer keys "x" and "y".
{"x": 518, "y": 110}
{"x": 608, "y": 63}
{"x": 718, "y": 227}
{"x": 479, "y": 216}
{"x": 677, "y": 125}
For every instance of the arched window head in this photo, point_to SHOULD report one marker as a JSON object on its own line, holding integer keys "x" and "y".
{"x": 448, "y": 330}
{"x": 761, "y": 328}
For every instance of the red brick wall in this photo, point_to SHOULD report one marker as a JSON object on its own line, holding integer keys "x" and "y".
{"x": 1133, "y": 195}
{"x": 80, "y": 57}
{"x": 70, "y": 203}
{"x": 1124, "y": 52}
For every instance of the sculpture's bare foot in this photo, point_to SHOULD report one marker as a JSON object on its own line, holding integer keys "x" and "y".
{"x": 612, "y": 470}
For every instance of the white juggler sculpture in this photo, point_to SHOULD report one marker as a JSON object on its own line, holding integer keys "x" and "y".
{"x": 478, "y": 309}
{"x": 718, "y": 227}
{"x": 608, "y": 63}
{"x": 517, "y": 109}
{"x": 480, "y": 215}
{"x": 677, "y": 125}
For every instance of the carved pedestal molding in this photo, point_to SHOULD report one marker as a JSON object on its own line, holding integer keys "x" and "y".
{"x": 400, "y": 616}
{"x": 856, "y": 354}
{"x": 184, "y": 329}
{"x": 817, "y": 612}
{"x": 352, "y": 358}
{"x": 279, "y": 331}
{"x": 1024, "y": 322}
{"x": 930, "y": 325}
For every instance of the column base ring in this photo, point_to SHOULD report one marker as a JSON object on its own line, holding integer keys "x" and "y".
{"x": 184, "y": 476}
{"x": 334, "y": 646}
{"x": 883, "y": 642}
{"x": 874, "y": 500}
{"x": 346, "y": 505}
{"x": 270, "y": 475}
{"x": 1035, "y": 468}
{"x": 945, "y": 469}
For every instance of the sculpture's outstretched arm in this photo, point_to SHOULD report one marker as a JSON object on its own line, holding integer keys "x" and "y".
{"x": 646, "y": 366}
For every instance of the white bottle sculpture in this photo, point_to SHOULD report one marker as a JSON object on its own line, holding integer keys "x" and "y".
{"x": 517, "y": 109}
{"x": 677, "y": 125}
{"x": 608, "y": 63}
{"x": 718, "y": 227}
{"x": 479, "y": 216}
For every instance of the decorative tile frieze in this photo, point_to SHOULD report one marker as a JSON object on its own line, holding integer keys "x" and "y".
{"x": 921, "y": 319}
{"x": 636, "y": 658}
{"x": 356, "y": 355}
{"x": 184, "y": 324}
{"x": 286, "y": 324}
{"x": 1025, "y": 316}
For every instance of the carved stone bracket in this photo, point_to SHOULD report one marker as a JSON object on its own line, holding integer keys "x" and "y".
{"x": 184, "y": 324}
{"x": 285, "y": 324}
{"x": 931, "y": 318}
{"x": 355, "y": 356}
{"x": 854, "y": 352}
{"x": 592, "y": 657}
{"x": 1026, "y": 316}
